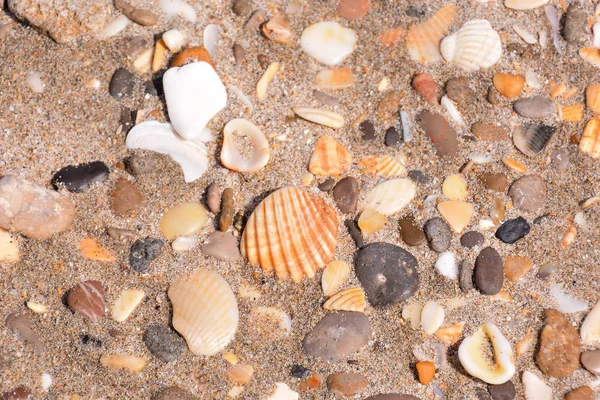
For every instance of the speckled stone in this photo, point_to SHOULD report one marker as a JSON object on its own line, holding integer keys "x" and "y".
{"x": 143, "y": 252}
{"x": 528, "y": 193}
{"x": 575, "y": 28}
{"x": 18, "y": 393}
{"x": 21, "y": 325}
{"x": 121, "y": 83}
{"x": 87, "y": 299}
{"x": 163, "y": 343}
{"x": 536, "y": 107}
{"x": 471, "y": 239}
{"x": 559, "y": 346}
{"x": 458, "y": 89}
{"x": 438, "y": 233}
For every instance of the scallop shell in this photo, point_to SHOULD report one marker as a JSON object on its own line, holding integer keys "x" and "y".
{"x": 291, "y": 232}
{"x": 231, "y": 157}
{"x": 423, "y": 40}
{"x": 590, "y": 55}
{"x": 334, "y": 276}
{"x": 572, "y": 113}
{"x": 525, "y": 4}
{"x": 590, "y": 141}
{"x": 351, "y": 299}
{"x": 532, "y": 139}
{"x": 385, "y": 166}
{"x": 470, "y": 354}
{"x": 321, "y": 117}
{"x": 476, "y": 45}
{"x": 391, "y": 196}
{"x": 592, "y": 98}
{"x": 205, "y": 311}
{"x": 329, "y": 158}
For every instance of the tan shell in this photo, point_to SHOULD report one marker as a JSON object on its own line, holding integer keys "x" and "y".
{"x": 371, "y": 221}
{"x": 423, "y": 41}
{"x": 205, "y": 311}
{"x": 514, "y": 165}
{"x": 591, "y": 55}
{"x": 592, "y": 98}
{"x": 509, "y": 85}
{"x": 334, "y": 276}
{"x": 385, "y": 166}
{"x": 572, "y": 113}
{"x": 590, "y": 141}
{"x": 128, "y": 362}
{"x": 351, "y": 299}
{"x": 291, "y": 232}
{"x": 329, "y": 158}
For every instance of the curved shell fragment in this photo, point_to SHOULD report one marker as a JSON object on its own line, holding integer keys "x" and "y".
{"x": 590, "y": 329}
{"x": 334, "y": 276}
{"x": 384, "y": 165}
{"x": 321, "y": 117}
{"x": 590, "y": 140}
{"x": 351, "y": 299}
{"x": 476, "y": 45}
{"x": 391, "y": 196}
{"x": 231, "y": 157}
{"x": 432, "y": 317}
{"x": 535, "y": 387}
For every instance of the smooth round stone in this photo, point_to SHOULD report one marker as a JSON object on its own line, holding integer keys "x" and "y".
{"x": 438, "y": 233}
{"x": 392, "y": 137}
{"x": 185, "y": 219}
{"x": 489, "y": 271}
{"x": 528, "y": 193}
{"x": 328, "y": 42}
{"x": 18, "y": 393}
{"x": 440, "y": 133}
{"x": 465, "y": 276}
{"x": 546, "y": 270}
{"x": 368, "y": 131}
{"x": 496, "y": 182}
{"x": 163, "y": 343}
{"x": 121, "y": 83}
{"x": 174, "y": 393}
{"x": 222, "y": 246}
{"x": 410, "y": 232}
{"x": 77, "y": 178}
{"x": 347, "y": 383}
{"x": 392, "y": 396}
{"x": 20, "y": 324}
{"x": 458, "y": 90}
{"x": 505, "y": 391}
{"x": 388, "y": 273}
{"x": 536, "y": 107}
{"x": 326, "y": 185}
{"x": 337, "y": 336}
{"x": 143, "y": 252}
{"x": 513, "y": 230}
{"x": 580, "y": 393}
{"x": 126, "y": 198}
{"x": 471, "y": 239}
{"x": 345, "y": 194}
{"x": 591, "y": 361}
{"x": 575, "y": 28}
{"x": 488, "y": 132}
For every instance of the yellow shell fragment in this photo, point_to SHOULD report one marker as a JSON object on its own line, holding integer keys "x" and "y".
{"x": 329, "y": 158}
{"x": 159, "y": 55}
{"x": 371, "y": 221}
{"x": 572, "y": 113}
{"x": 263, "y": 84}
{"x": 514, "y": 165}
{"x": 334, "y": 276}
{"x": 385, "y": 166}
{"x": 127, "y": 302}
{"x": 351, "y": 299}
{"x": 456, "y": 213}
{"x": 423, "y": 40}
{"x": 590, "y": 141}
{"x": 130, "y": 363}
{"x": 185, "y": 219}
{"x": 592, "y": 98}
{"x": 37, "y": 307}
{"x": 455, "y": 187}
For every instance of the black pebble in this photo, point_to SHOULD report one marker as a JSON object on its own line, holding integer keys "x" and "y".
{"x": 513, "y": 230}
{"x": 127, "y": 120}
{"x": 368, "y": 130}
{"x": 489, "y": 271}
{"x": 471, "y": 239}
{"x": 505, "y": 391}
{"x": 418, "y": 176}
{"x": 143, "y": 252}
{"x": 354, "y": 232}
{"x": 392, "y": 138}
{"x": 298, "y": 371}
{"x": 162, "y": 342}
{"x": 77, "y": 178}
{"x": 327, "y": 185}
{"x": 121, "y": 83}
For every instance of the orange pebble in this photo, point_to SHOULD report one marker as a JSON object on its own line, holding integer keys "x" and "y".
{"x": 426, "y": 371}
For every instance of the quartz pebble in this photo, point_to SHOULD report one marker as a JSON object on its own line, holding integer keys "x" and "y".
{"x": 125, "y": 198}
{"x": 488, "y": 132}
{"x": 559, "y": 347}
{"x": 337, "y": 336}
{"x": 121, "y": 83}
{"x": 471, "y": 239}
{"x": 440, "y": 133}
{"x": 494, "y": 181}
{"x": 591, "y": 361}
{"x": 536, "y": 107}
{"x": 222, "y": 246}
{"x": 446, "y": 265}
{"x": 528, "y": 193}
{"x": 513, "y": 230}
{"x": 328, "y": 42}
{"x": 77, "y": 178}
{"x": 410, "y": 232}
{"x": 87, "y": 299}
{"x": 127, "y": 362}
{"x": 465, "y": 276}
{"x": 345, "y": 195}
{"x": 580, "y": 393}
{"x": 143, "y": 252}
{"x": 163, "y": 343}
{"x": 20, "y": 324}
{"x": 438, "y": 234}
{"x": 432, "y": 317}
{"x": 425, "y": 371}
{"x": 127, "y": 302}
{"x": 347, "y": 383}
{"x": 505, "y": 391}
{"x": 515, "y": 267}
{"x": 174, "y": 393}
{"x": 489, "y": 271}
{"x": 184, "y": 219}
{"x": 392, "y": 137}
{"x": 18, "y": 393}
{"x": 387, "y": 273}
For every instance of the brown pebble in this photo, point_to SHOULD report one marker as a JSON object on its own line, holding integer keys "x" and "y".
{"x": 242, "y": 7}
{"x": 87, "y": 299}
{"x": 410, "y": 232}
{"x": 353, "y": 9}
{"x": 368, "y": 130}
{"x": 427, "y": 87}
{"x": 263, "y": 61}
{"x": 239, "y": 54}
{"x": 125, "y": 198}
{"x": 192, "y": 54}
{"x": 494, "y": 181}
{"x": 488, "y": 132}
{"x": 213, "y": 198}
{"x": 347, "y": 383}
{"x": 580, "y": 393}
{"x": 20, "y": 324}
{"x": 388, "y": 106}
{"x": 118, "y": 233}
{"x": 515, "y": 267}
{"x": 426, "y": 371}
{"x": 255, "y": 20}
{"x": 528, "y": 193}
{"x": 559, "y": 346}
{"x": 278, "y": 29}
{"x": 458, "y": 90}
{"x": 327, "y": 185}
{"x": 137, "y": 15}
{"x": 440, "y": 133}
{"x": 345, "y": 195}
{"x": 226, "y": 209}
{"x": 354, "y": 233}
{"x": 493, "y": 96}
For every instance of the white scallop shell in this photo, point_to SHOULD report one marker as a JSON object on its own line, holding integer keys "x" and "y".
{"x": 525, "y": 4}
{"x": 391, "y": 196}
{"x": 194, "y": 95}
{"x": 231, "y": 157}
{"x": 475, "y": 45}
{"x": 205, "y": 311}
{"x": 161, "y": 138}
{"x": 328, "y": 42}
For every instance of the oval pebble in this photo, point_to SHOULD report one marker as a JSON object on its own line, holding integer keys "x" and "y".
{"x": 580, "y": 393}
{"x": 143, "y": 252}
{"x": 591, "y": 361}
{"x": 173, "y": 393}
{"x": 77, "y": 178}
{"x": 186, "y": 219}
{"x": 440, "y": 133}
{"x": 546, "y": 270}
{"x": 347, "y": 383}
{"x": 471, "y": 239}
{"x": 87, "y": 299}
{"x": 345, "y": 195}
{"x": 575, "y": 28}
{"x": 465, "y": 276}
{"x": 559, "y": 346}
{"x": 458, "y": 90}
{"x": 222, "y": 246}
{"x": 410, "y": 232}
{"x": 494, "y": 181}
{"x": 368, "y": 131}
{"x": 513, "y": 230}
{"x": 438, "y": 233}
{"x": 20, "y": 324}
{"x": 536, "y": 107}
{"x": 489, "y": 271}
{"x": 528, "y": 193}
{"x": 163, "y": 343}
{"x": 121, "y": 83}
{"x": 392, "y": 137}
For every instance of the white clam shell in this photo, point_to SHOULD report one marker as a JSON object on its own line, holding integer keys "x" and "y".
{"x": 432, "y": 317}
{"x": 525, "y": 4}
{"x": 161, "y": 138}
{"x": 194, "y": 95}
{"x": 535, "y": 387}
{"x": 328, "y": 42}
{"x": 471, "y": 357}
{"x": 476, "y": 45}
{"x": 590, "y": 329}
{"x": 391, "y": 196}
{"x": 205, "y": 311}
{"x": 212, "y": 34}
{"x": 231, "y": 157}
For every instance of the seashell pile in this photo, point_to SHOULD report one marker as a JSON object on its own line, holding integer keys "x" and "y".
{"x": 476, "y": 45}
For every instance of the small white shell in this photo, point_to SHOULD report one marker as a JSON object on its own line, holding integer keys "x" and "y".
{"x": 535, "y": 387}
{"x": 212, "y": 34}
{"x": 412, "y": 314}
{"x": 334, "y": 276}
{"x": 451, "y": 108}
{"x": 476, "y": 45}
{"x": 446, "y": 265}
{"x": 172, "y": 8}
{"x": 532, "y": 80}
{"x": 432, "y": 317}
{"x": 161, "y": 138}
{"x": 34, "y": 82}
{"x": 205, "y": 311}
{"x": 328, "y": 42}
{"x": 194, "y": 95}
{"x": 231, "y": 157}
{"x": 525, "y": 4}
{"x": 113, "y": 27}
{"x": 391, "y": 196}
{"x": 471, "y": 356}
{"x": 566, "y": 303}
{"x": 321, "y": 117}
{"x": 590, "y": 329}
{"x": 46, "y": 381}
{"x": 174, "y": 40}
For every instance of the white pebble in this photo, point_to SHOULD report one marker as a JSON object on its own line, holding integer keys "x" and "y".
{"x": 525, "y": 34}
{"x": 451, "y": 108}
{"x": 532, "y": 80}
{"x": 485, "y": 224}
{"x": 432, "y": 317}
{"x": 566, "y": 303}
{"x": 174, "y": 40}
{"x": 446, "y": 265}
{"x": 185, "y": 243}
{"x": 46, "y": 381}
{"x": 35, "y": 82}
{"x": 406, "y": 126}
{"x": 328, "y": 42}
{"x": 580, "y": 219}
{"x": 172, "y": 8}
{"x": 113, "y": 27}
{"x": 535, "y": 387}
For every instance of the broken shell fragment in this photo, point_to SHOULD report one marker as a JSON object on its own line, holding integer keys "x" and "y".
{"x": 337, "y": 78}
{"x": 351, "y": 299}
{"x": 384, "y": 165}
{"x": 321, "y": 117}
{"x": 328, "y": 42}
{"x": 329, "y": 158}
{"x": 334, "y": 276}
{"x": 127, "y": 302}
{"x": 449, "y": 335}
{"x": 590, "y": 329}
{"x": 263, "y": 83}
{"x": 476, "y": 45}
{"x": 455, "y": 187}
{"x": 590, "y": 141}
{"x": 532, "y": 139}
{"x": 391, "y": 196}
{"x": 205, "y": 311}
{"x": 514, "y": 165}
{"x": 591, "y": 55}
{"x": 524, "y": 4}
{"x": 432, "y": 317}
{"x": 456, "y": 213}
{"x": 535, "y": 388}
{"x": 471, "y": 356}
{"x": 572, "y": 113}
{"x": 509, "y": 85}
{"x": 278, "y": 29}
{"x": 423, "y": 41}
{"x": 230, "y": 155}
{"x": 592, "y": 98}
{"x": 291, "y": 232}
{"x": 371, "y": 222}
{"x": 116, "y": 361}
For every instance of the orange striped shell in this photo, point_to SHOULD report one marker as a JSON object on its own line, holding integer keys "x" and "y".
{"x": 423, "y": 41}
{"x": 351, "y": 299}
{"x": 391, "y": 36}
{"x": 291, "y": 232}
{"x": 385, "y": 166}
{"x": 329, "y": 158}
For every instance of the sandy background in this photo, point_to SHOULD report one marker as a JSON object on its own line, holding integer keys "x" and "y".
{"x": 71, "y": 124}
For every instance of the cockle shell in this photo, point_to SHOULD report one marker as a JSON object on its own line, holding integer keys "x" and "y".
{"x": 194, "y": 95}
{"x": 230, "y": 155}
{"x": 572, "y": 113}
{"x": 590, "y": 141}
{"x": 160, "y": 137}
{"x": 532, "y": 139}
{"x": 525, "y": 4}
{"x": 351, "y": 299}
{"x": 205, "y": 311}
{"x": 470, "y": 354}
{"x": 592, "y": 98}
{"x": 476, "y": 45}
{"x": 590, "y": 329}
{"x": 291, "y": 232}
{"x": 391, "y": 196}
{"x": 329, "y": 158}
{"x": 423, "y": 40}
{"x": 384, "y": 165}
{"x": 334, "y": 276}
{"x": 328, "y": 42}
{"x": 321, "y": 117}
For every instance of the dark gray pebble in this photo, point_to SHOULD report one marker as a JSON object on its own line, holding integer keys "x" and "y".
{"x": 471, "y": 239}
{"x": 163, "y": 343}
{"x": 489, "y": 271}
{"x": 438, "y": 234}
{"x": 368, "y": 130}
{"x": 143, "y": 252}
{"x": 300, "y": 372}
{"x": 575, "y": 30}
{"x": 345, "y": 195}
{"x": 418, "y": 176}
{"x": 465, "y": 276}
{"x": 121, "y": 83}
{"x": 127, "y": 120}
{"x": 513, "y": 230}
{"x": 505, "y": 391}
{"x": 392, "y": 137}
{"x": 88, "y": 340}
{"x": 77, "y": 178}
{"x": 326, "y": 185}
{"x": 354, "y": 233}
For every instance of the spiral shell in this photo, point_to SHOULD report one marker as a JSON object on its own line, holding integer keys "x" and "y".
{"x": 476, "y": 45}
{"x": 590, "y": 141}
{"x": 391, "y": 196}
{"x": 351, "y": 299}
{"x": 329, "y": 158}
{"x": 423, "y": 40}
{"x": 205, "y": 311}
{"x": 385, "y": 166}
{"x": 291, "y": 232}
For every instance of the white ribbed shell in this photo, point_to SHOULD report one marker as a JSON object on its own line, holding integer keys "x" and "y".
{"x": 476, "y": 45}
{"x": 391, "y": 196}
{"x": 205, "y": 311}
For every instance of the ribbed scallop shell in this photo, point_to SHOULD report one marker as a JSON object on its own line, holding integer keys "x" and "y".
{"x": 329, "y": 158}
{"x": 385, "y": 166}
{"x": 351, "y": 299}
{"x": 525, "y": 4}
{"x": 391, "y": 196}
{"x": 476, "y": 45}
{"x": 205, "y": 311}
{"x": 291, "y": 232}
{"x": 423, "y": 40}
{"x": 334, "y": 276}
{"x": 592, "y": 98}
{"x": 590, "y": 141}
{"x": 532, "y": 139}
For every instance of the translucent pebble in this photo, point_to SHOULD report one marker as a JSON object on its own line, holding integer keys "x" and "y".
{"x": 446, "y": 265}
{"x": 185, "y": 219}
{"x": 174, "y": 40}
{"x": 566, "y": 303}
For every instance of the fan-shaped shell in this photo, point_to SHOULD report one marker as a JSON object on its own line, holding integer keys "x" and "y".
{"x": 385, "y": 166}
{"x": 525, "y": 4}
{"x": 590, "y": 141}
{"x": 291, "y": 232}
{"x": 423, "y": 40}
{"x": 351, "y": 299}
{"x": 475, "y": 45}
{"x": 329, "y": 158}
{"x": 334, "y": 275}
{"x": 231, "y": 157}
{"x": 391, "y": 196}
{"x": 205, "y": 311}
{"x": 592, "y": 98}
{"x": 532, "y": 139}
